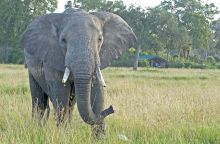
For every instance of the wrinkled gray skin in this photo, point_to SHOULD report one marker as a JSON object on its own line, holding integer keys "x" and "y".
{"x": 82, "y": 42}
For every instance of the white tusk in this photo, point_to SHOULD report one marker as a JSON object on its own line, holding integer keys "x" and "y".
{"x": 66, "y": 75}
{"x": 100, "y": 77}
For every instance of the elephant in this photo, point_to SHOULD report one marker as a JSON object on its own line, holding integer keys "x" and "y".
{"x": 64, "y": 54}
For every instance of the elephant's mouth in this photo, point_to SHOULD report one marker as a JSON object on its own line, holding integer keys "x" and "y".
{"x": 82, "y": 97}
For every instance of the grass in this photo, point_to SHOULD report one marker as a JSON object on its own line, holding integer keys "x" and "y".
{"x": 155, "y": 106}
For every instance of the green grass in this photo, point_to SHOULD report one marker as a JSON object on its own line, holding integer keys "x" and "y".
{"x": 155, "y": 106}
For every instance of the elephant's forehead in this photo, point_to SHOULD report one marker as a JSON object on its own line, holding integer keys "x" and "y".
{"x": 79, "y": 16}
{"x": 80, "y": 20}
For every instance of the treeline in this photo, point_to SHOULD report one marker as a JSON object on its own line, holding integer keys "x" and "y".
{"x": 15, "y": 15}
{"x": 186, "y": 30}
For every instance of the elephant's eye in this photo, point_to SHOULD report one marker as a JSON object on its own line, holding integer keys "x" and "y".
{"x": 64, "y": 40}
{"x": 100, "y": 38}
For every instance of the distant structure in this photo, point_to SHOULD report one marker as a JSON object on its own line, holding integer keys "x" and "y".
{"x": 154, "y": 61}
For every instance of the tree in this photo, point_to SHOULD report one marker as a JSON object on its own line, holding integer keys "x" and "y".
{"x": 136, "y": 18}
{"x": 68, "y": 5}
{"x": 164, "y": 32}
{"x": 215, "y": 39}
{"x": 101, "y": 5}
{"x": 15, "y": 16}
{"x": 195, "y": 17}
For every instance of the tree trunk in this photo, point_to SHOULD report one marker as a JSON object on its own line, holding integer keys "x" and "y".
{"x": 168, "y": 55}
{"x": 136, "y": 57}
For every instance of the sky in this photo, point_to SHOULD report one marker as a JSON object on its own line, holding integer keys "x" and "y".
{"x": 143, "y": 3}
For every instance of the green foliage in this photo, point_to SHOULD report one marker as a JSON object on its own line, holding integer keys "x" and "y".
{"x": 210, "y": 63}
{"x": 144, "y": 63}
{"x": 102, "y": 5}
{"x": 126, "y": 60}
{"x": 194, "y": 16}
{"x": 210, "y": 60}
{"x": 16, "y": 55}
{"x": 214, "y": 42}
{"x": 15, "y": 16}
{"x": 217, "y": 65}
{"x": 168, "y": 34}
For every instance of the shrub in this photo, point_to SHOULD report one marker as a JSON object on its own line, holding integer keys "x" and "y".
{"x": 188, "y": 64}
{"x": 126, "y": 60}
{"x": 144, "y": 63}
{"x": 199, "y": 66}
{"x": 217, "y": 65}
{"x": 210, "y": 60}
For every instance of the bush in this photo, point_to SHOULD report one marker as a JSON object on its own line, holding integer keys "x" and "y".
{"x": 181, "y": 63}
{"x": 16, "y": 56}
{"x": 199, "y": 66}
{"x": 13, "y": 55}
{"x": 175, "y": 63}
{"x": 172, "y": 64}
{"x": 210, "y": 60}
{"x": 188, "y": 64}
{"x": 144, "y": 63}
{"x": 217, "y": 65}
{"x": 126, "y": 60}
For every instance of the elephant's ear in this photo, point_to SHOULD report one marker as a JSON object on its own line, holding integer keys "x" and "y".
{"x": 118, "y": 37}
{"x": 41, "y": 43}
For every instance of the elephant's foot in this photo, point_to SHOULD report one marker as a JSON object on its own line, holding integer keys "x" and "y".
{"x": 98, "y": 131}
{"x": 41, "y": 115}
{"x": 60, "y": 117}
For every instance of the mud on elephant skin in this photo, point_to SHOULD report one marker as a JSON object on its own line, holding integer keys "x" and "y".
{"x": 64, "y": 54}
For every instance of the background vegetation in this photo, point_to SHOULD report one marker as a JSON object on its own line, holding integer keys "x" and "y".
{"x": 167, "y": 106}
{"x": 181, "y": 31}
{"x": 15, "y": 15}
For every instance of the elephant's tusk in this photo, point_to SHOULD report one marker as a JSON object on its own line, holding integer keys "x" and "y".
{"x": 100, "y": 77}
{"x": 66, "y": 75}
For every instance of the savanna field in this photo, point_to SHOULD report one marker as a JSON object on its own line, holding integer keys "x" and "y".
{"x": 155, "y": 106}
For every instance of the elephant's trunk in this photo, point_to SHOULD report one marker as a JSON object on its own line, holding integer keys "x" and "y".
{"x": 81, "y": 61}
{"x": 82, "y": 91}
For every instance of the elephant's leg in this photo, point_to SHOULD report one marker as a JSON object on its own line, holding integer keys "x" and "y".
{"x": 60, "y": 100}
{"x": 59, "y": 93}
{"x": 40, "y": 100}
{"x": 97, "y": 104}
{"x": 72, "y": 101}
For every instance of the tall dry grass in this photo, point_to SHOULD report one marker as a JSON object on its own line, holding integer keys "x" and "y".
{"x": 152, "y": 106}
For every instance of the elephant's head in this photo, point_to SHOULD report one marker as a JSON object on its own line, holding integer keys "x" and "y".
{"x": 82, "y": 43}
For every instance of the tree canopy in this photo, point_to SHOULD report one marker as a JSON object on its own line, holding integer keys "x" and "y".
{"x": 15, "y": 16}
